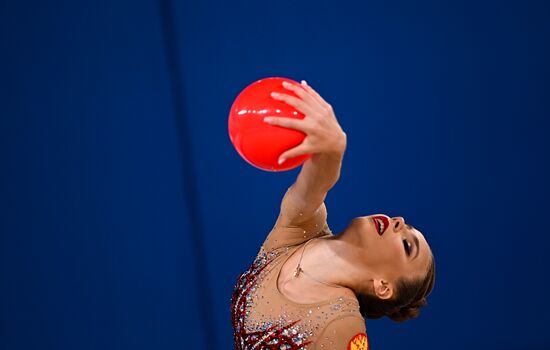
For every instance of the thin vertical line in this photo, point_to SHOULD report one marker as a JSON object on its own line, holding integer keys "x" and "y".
{"x": 189, "y": 183}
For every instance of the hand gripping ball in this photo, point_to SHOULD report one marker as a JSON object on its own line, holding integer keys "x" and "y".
{"x": 258, "y": 142}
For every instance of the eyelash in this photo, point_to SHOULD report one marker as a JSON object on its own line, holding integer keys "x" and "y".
{"x": 407, "y": 247}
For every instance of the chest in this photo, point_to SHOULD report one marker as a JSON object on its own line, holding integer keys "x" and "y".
{"x": 262, "y": 315}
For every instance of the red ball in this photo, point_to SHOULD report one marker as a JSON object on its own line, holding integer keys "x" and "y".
{"x": 258, "y": 142}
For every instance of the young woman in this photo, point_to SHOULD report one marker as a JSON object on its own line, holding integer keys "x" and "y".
{"x": 310, "y": 289}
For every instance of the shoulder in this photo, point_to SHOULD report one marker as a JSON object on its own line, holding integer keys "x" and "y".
{"x": 344, "y": 332}
{"x": 294, "y": 236}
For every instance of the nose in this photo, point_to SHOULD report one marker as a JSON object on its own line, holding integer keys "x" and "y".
{"x": 398, "y": 223}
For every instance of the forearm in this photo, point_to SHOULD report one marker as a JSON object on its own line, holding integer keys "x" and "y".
{"x": 320, "y": 172}
{"x": 325, "y": 140}
{"x": 317, "y": 176}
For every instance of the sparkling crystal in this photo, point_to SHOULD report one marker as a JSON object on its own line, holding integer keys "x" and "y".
{"x": 262, "y": 319}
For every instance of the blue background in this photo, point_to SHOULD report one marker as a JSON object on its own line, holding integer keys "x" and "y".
{"x": 127, "y": 215}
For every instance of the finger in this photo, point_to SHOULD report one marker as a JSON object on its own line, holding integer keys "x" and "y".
{"x": 318, "y": 97}
{"x": 294, "y": 152}
{"x": 301, "y": 91}
{"x": 292, "y": 123}
{"x": 314, "y": 93}
{"x": 294, "y": 102}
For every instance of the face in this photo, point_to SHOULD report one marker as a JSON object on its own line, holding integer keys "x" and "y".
{"x": 389, "y": 248}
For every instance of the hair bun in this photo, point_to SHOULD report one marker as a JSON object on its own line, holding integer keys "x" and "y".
{"x": 409, "y": 311}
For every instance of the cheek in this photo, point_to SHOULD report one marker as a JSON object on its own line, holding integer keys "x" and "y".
{"x": 386, "y": 251}
{"x": 395, "y": 253}
{"x": 387, "y": 259}
{"x": 402, "y": 263}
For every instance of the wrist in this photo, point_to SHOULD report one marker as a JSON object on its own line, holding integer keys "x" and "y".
{"x": 338, "y": 147}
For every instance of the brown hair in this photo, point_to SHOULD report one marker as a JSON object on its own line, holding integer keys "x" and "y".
{"x": 410, "y": 296}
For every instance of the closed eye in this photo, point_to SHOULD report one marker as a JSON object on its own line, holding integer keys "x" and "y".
{"x": 407, "y": 247}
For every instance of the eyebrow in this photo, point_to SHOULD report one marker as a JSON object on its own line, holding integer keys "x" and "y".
{"x": 415, "y": 239}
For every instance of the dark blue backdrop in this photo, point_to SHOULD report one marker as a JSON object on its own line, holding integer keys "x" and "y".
{"x": 126, "y": 214}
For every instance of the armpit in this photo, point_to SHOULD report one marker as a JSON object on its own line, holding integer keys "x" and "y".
{"x": 291, "y": 214}
{"x": 290, "y": 229}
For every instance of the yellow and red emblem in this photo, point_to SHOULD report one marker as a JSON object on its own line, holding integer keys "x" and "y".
{"x": 358, "y": 342}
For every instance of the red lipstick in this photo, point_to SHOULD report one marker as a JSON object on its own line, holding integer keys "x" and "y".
{"x": 381, "y": 222}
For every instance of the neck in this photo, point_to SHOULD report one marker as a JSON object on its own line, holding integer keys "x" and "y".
{"x": 330, "y": 260}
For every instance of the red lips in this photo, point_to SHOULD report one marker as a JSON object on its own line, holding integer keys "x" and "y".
{"x": 382, "y": 222}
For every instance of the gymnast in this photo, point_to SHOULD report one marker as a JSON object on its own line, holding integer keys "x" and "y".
{"x": 310, "y": 289}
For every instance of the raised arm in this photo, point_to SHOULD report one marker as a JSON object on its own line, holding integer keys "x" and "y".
{"x": 325, "y": 140}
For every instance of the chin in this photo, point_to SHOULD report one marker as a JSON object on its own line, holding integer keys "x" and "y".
{"x": 363, "y": 225}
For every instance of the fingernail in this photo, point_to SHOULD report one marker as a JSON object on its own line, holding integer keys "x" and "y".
{"x": 286, "y": 84}
{"x": 268, "y": 119}
{"x": 274, "y": 94}
{"x": 281, "y": 161}
{"x": 304, "y": 82}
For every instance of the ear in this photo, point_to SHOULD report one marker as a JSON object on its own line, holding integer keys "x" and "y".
{"x": 382, "y": 289}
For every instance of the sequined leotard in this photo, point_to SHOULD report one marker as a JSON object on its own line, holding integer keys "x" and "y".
{"x": 264, "y": 318}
